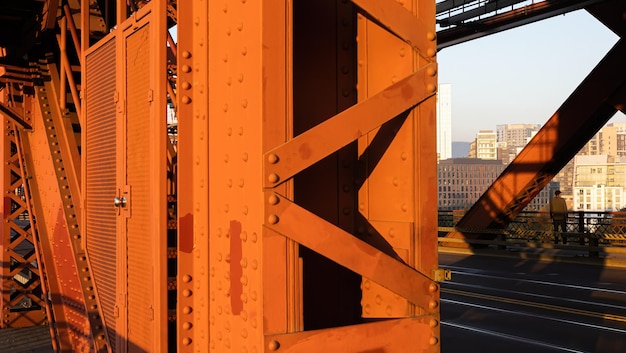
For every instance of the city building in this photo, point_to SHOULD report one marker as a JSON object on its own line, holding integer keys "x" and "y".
{"x": 463, "y": 180}
{"x": 599, "y": 183}
{"x": 486, "y": 145}
{"x": 444, "y": 121}
{"x": 512, "y": 138}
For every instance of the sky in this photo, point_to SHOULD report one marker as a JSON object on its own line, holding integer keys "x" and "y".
{"x": 522, "y": 75}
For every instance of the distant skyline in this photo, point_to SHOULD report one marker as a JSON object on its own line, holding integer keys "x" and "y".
{"x": 522, "y": 75}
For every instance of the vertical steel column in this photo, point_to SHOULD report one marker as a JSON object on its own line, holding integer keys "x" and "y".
{"x": 399, "y": 197}
{"x": 193, "y": 190}
{"x": 238, "y": 216}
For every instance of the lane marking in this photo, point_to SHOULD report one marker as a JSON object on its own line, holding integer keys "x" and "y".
{"x": 463, "y": 273}
{"x": 535, "y": 305}
{"x": 571, "y": 322}
{"x": 536, "y": 295}
{"x": 512, "y": 338}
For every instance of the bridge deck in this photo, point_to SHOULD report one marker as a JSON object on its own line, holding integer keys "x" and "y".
{"x": 25, "y": 340}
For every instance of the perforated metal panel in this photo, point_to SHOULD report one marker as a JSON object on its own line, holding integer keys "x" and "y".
{"x": 100, "y": 176}
{"x": 139, "y": 238}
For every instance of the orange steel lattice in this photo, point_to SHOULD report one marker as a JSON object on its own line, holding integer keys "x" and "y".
{"x": 300, "y": 173}
{"x": 21, "y": 297}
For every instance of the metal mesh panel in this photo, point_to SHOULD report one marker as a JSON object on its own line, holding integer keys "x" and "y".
{"x": 100, "y": 177}
{"x": 139, "y": 242}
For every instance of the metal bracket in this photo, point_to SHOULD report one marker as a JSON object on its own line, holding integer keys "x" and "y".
{"x": 441, "y": 275}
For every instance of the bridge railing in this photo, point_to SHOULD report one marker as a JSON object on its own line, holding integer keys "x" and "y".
{"x": 596, "y": 233}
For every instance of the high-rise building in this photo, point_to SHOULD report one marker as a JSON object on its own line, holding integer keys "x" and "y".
{"x": 463, "y": 180}
{"x": 516, "y": 135}
{"x": 444, "y": 121}
{"x": 599, "y": 183}
{"x": 512, "y": 138}
{"x": 487, "y": 145}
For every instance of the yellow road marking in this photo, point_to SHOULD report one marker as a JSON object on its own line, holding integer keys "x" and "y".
{"x": 536, "y": 305}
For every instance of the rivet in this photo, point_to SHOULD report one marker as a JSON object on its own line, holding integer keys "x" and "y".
{"x": 272, "y": 219}
{"x": 433, "y": 323}
{"x": 431, "y": 36}
{"x": 186, "y": 100}
{"x": 433, "y": 304}
{"x": 187, "y": 325}
{"x": 433, "y": 287}
{"x": 431, "y": 52}
{"x": 187, "y": 293}
{"x": 431, "y": 71}
{"x": 273, "y": 345}
{"x": 273, "y": 158}
{"x": 186, "y": 54}
{"x": 186, "y": 341}
{"x": 431, "y": 87}
{"x": 273, "y": 199}
{"x": 187, "y": 310}
{"x": 186, "y": 68}
{"x": 273, "y": 178}
{"x": 186, "y": 85}
{"x": 433, "y": 341}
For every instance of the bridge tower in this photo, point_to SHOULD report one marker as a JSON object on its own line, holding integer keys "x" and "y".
{"x": 225, "y": 176}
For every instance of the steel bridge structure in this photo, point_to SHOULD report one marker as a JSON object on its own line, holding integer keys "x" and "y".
{"x": 247, "y": 175}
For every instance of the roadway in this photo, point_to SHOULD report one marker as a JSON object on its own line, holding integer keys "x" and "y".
{"x": 515, "y": 304}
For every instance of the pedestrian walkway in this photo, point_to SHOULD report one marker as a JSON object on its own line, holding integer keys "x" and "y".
{"x": 26, "y": 340}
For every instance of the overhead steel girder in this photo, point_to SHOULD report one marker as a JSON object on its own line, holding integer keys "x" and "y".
{"x": 580, "y": 117}
{"x": 463, "y": 32}
{"x": 612, "y": 14}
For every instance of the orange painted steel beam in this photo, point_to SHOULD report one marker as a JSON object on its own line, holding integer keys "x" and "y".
{"x": 611, "y": 14}
{"x": 306, "y": 149}
{"x": 43, "y": 269}
{"x": 21, "y": 279}
{"x": 76, "y": 317}
{"x": 370, "y": 337}
{"x": 588, "y": 108}
{"x": 192, "y": 209}
{"x": 324, "y": 238}
{"x": 516, "y": 17}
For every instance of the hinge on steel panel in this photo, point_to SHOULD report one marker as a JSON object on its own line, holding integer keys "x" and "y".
{"x": 151, "y": 312}
{"x": 441, "y": 275}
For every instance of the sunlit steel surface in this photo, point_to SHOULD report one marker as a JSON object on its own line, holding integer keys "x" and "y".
{"x": 291, "y": 208}
{"x": 288, "y": 206}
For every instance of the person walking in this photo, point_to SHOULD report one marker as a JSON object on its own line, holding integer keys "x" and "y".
{"x": 558, "y": 213}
